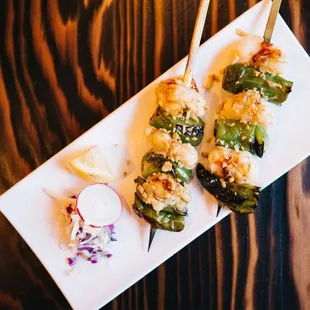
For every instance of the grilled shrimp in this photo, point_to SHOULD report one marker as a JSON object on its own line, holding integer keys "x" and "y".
{"x": 247, "y": 106}
{"x": 269, "y": 58}
{"x": 159, "y": 139}
{"x": 246, "y": 48}
{"x": 239, "y": 167}
{"x": 252, "y": 50}
{"x": 175, "y": 97}
{"x": 183, "y": 153}
{"x": 161, "y": 190}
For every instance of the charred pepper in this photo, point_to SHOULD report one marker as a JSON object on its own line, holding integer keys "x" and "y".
{"x": 240, "y": 77}
{"x": 154, "y": 162}
{"x": 240, "y": 198}
{"x": 248, "y": 137}
{"x": 189, "y": 130}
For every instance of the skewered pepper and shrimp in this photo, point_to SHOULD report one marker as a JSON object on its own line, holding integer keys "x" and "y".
{"x": 240, "y": 125}
{"x": 162, "y": 194}
{"x": 230, "y": 163}
{"x": 248, "y": 108}
{"x": 240, "y": 198}
{"x": 257, "y": 66}
{"x": 252, "y": 50}
{"x": 180, "y": 100}
{"x": 179, "y": 110}
{"x": 227, "y": 176}
{"x": 182, "y": 153}
{"x": 241, "y": 122}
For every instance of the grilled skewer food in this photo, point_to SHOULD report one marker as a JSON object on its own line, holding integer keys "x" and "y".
{"x": 240, "y": 126}
{"x": 162, "y": 194}
{"x": 257, "y": 66}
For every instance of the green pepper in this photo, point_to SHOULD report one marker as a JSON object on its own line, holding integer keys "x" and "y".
{"x": 153, "y": 162}
{"x": 189, "y": 130}
{"x": 247, "y": 137}
{"x": 240, "y": 198}
{"x": 169, "y": 208}
{"x": 161, "y": 220}
{"x": 240, "y": 77}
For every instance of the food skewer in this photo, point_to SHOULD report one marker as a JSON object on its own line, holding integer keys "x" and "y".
{"x": 188, "y": 74}
{"x": 275, "y": 8}
{"x": 176, "y": 127}
{"x": 255, "y": 76}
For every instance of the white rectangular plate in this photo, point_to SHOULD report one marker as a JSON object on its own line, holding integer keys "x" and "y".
{"x": 31, "y": 211}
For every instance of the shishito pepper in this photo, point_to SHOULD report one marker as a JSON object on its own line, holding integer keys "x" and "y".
{"x": 240, "y": 198}
{"x": 153, "y": 163}
{"x": 248, "y": 137}
{"x": 240, "y": 77}
{"x": 161, "y": 220}
{"x": 189, "y": 130}
{"x": 170, "y": 218}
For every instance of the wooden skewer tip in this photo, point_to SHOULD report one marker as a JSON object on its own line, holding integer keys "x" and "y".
{"x": 199, "y": 25}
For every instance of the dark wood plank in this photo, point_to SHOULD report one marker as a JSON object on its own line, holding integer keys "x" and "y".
{"x": 64, "y": 65}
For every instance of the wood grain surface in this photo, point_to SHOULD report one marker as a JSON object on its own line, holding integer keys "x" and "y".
{"x": 64, "y": 65}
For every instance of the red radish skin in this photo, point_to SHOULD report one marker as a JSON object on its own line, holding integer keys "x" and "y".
{"x": 81, "y": 213}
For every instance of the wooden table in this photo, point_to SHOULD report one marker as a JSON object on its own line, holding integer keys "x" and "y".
{"x": 64, "y": 65}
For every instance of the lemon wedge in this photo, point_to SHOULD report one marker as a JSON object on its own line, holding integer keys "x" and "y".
{"x": 92, "y": 166}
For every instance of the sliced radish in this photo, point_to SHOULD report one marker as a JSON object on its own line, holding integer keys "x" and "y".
{"x": 99, "y": 205}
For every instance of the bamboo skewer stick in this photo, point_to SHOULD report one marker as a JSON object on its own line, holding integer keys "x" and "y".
{"x": 276, "y": 4}
{"x": 196, "y": 38}
{"x": 275, "y": 8}
{"x": 188, "y": 74}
